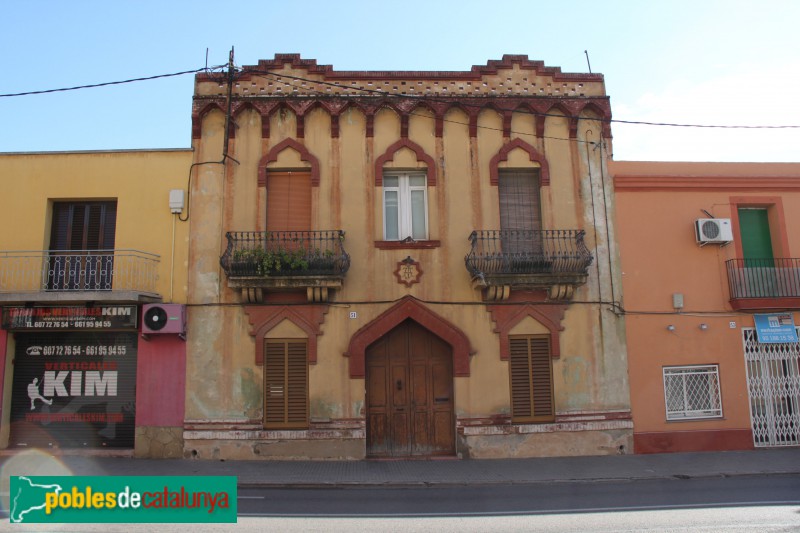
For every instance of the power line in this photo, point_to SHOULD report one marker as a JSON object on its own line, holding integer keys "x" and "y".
{"x": 423, "y": 98}
{"x": 264, "y": 75}
{"x": 105, "y": 84}
{"x": 420, "y": 97}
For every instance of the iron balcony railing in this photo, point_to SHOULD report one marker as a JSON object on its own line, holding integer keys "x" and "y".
{"x": 763, "y": 278}
{"x": 78, "y": 270}
{"x": 285, "y": 253}
{"x": 519, "y": 252}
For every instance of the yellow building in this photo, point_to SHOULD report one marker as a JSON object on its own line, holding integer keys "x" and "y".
{"x": 90, "y": 243}
{"x": 394, "y": 264}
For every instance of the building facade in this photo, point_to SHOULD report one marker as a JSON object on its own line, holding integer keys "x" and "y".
{"x": 403, "y": 264}
{"x": 712, "y": 293}
{"x": 90, "y": 244}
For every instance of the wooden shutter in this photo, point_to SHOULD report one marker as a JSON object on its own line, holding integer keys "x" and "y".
{"x": 83, "y": 226}
{"x": 531, "y": 379}
{"x": 285, "y": 384}
{"x": 288, "y": 201}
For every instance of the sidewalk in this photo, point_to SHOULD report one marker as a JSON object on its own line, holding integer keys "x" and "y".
{"x": 415, "y": 473}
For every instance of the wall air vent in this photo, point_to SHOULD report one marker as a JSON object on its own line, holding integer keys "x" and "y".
{"x": 713, "y": 230}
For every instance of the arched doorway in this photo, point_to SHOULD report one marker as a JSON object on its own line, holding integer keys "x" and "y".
{"x": 409, "y": 379}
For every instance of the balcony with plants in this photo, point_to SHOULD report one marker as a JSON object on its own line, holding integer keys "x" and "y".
{"x": 273, "y": 261}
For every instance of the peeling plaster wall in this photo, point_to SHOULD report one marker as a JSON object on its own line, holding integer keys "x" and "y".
{"x": 225, "y": 384}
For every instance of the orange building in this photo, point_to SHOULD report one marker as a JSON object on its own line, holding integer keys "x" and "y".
{"x": 712, "y": 293}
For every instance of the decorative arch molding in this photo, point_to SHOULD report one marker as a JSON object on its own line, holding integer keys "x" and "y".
{"x": 507, "y": 316}
{"x": 309, "y": 318}
{"x": 408, "y": 307}
{"x": 272, "y": 156}
{"x": 197, "y": 118}
{"x": 533, "y": 154}
{"x": 238, "y": 113}
{"x": 605, "y": 125}
{"x": 388, "y": 155}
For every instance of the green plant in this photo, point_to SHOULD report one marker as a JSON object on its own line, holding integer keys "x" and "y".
{"x": 271, "y": 261}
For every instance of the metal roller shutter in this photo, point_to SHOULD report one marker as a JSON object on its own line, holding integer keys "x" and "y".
{"x": 74, "y": 389}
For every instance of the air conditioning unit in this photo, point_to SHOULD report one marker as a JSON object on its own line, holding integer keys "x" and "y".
{"x": 713, "y": 230}
{"x": 163, "y": 319}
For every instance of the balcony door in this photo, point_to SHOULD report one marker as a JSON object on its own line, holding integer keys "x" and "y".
{"x": 82, "y": 246}
{"x": 759, "y": 262}
{"x": 520, "y": 218}
{"x": 288, "y": 201}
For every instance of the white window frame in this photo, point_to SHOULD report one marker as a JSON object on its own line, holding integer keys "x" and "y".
{"x": 678, "y": 377}
{"x": 404, "y": 214}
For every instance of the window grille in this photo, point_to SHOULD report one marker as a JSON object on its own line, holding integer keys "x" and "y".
{"x": 692, "y": 392}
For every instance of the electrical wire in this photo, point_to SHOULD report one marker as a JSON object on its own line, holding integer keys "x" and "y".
{"x": 489, "y": 128}
{"x": 421, "y": 97}
{"x": 108, "y": 83}
{"x": 526, "y": 111}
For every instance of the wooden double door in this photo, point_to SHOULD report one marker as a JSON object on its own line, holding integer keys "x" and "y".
{"x": 410, "y": 394}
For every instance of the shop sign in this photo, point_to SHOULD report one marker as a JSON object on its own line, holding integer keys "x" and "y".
{"x": 100, "y": 318}
{"x": 775, "y": 328}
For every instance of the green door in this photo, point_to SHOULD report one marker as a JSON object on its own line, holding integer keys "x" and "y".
{"x": 759, "y": 265}
{"x": 754, "y": 229}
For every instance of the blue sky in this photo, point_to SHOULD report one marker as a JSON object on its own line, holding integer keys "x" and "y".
{"x": 700, "y": 62}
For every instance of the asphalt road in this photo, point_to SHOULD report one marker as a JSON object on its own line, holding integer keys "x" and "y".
{"x": 739, "y": 504}
{"x": 538, "y": 498}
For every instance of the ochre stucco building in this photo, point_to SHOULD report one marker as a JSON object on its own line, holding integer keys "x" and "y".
{"x": 395, "y": 264}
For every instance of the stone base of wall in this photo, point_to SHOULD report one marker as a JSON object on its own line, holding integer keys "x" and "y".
{"x": 216, "y": 440}
{"x": 555, "y": 444}
{"x": 572, "y": 434}
{"x": 158, "y": 442}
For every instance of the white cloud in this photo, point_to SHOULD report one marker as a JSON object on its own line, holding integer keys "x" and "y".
{"x": 749, "y": 95}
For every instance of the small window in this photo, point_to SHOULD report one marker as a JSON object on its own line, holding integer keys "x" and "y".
{"x": 531, "y": 372}
{"x": 405, "y": 207}
{"x": 692, "y": 392}
{"x": 285, "y": 384}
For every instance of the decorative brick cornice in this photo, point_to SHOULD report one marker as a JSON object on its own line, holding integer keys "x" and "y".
{"x": 272, "y": 156}
{"x": 533, "y": 154}
{"x": 408, "y": 307}
{"x": 523, "y": 304}
{"x": 492, "y": 67}
{"x": 388, "y": 155}
{"x": 309, "y": 318}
